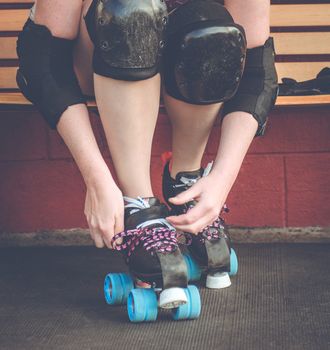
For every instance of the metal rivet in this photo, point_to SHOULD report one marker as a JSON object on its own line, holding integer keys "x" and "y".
{"x": 164, "y": 20}
{"x": 104, "y": 45}
{"x": 101, "y": 21}
{"x": 238, "y": 79}
{"x": 161, "y": 43}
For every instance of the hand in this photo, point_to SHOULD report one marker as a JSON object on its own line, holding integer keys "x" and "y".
{"x": 104, "y": 210}
{"x": 210, "y": 197}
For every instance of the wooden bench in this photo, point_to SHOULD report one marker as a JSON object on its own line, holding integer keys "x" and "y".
{"x": 301, "y": 32}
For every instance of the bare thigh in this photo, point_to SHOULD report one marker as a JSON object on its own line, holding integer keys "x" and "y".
{"x": 83, "y": 54}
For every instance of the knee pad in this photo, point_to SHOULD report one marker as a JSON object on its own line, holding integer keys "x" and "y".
{"x": 258, "y": 88}
{"x": 45, "y": 75}
{"x": 204, "y": 53}
{"x": 127, "y": 37}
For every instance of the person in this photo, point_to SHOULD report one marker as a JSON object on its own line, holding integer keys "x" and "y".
{"x": 113, "y": 49}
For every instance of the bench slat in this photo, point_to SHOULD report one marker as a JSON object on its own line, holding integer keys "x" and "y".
{"x": 13, "y": 20}
{"x": 281, "y": 16}
{"x": 16, "y": 98}
{"x": 315, "y": 43}
{"x": 8, "y": 48}
{"x": 16, "y": 2}
{"x": 300, "y": 15}
{"x": 297, "y": 70}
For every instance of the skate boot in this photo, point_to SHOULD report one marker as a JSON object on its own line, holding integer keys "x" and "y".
{"x": 210, "y": 251}
{"x": 157, "y": 267}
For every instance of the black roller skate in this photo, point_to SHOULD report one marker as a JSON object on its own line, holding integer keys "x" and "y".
{"x": 210, "y": 251}
{"x": 157, "y": 267}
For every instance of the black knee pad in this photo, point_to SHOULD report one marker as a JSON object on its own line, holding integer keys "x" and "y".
{"x": 127, "y": 37}
{"x": 204, "y": 53}
{"x": 45, "y": 75}
{"x": 258, "y": 88}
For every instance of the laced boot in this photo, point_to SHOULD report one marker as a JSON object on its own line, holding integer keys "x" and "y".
{"x": 210, "y": 248}
{"x": 150, "y": 246}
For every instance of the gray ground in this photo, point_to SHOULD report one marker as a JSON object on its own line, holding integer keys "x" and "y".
{"x": 52, "y": 298}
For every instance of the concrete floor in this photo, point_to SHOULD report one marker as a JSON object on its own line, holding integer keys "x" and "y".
{"x": 52, "y": 298}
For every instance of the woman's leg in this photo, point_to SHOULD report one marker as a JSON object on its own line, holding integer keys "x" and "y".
{"x": 128, "y": 112}
{"x": 191, "y": 126}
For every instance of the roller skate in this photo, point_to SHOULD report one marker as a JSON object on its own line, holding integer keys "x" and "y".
{"x": 209, "y": 252}
{"x": 157, "y": 270}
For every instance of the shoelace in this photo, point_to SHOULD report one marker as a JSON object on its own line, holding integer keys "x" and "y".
{"x": 213, "y": 230}
{"x": 162, "y": 238}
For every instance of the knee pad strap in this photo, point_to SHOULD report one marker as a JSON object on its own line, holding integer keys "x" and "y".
{"x": 258, "y": 88}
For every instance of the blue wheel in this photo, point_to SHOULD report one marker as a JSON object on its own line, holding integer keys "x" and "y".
{"x": 233, "y": 263}
{"x": 117, "y": 286}
{"x": 192, "y": 309}
{"x": 142, "y": 305}
{"x": 193, "y": 269}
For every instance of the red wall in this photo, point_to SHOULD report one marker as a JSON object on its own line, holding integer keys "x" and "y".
{"x": 284, "y": 181}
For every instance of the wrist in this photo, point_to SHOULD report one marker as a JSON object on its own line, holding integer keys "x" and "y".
{"x": 222, "y": 180}
{"x": 97, "y": 174}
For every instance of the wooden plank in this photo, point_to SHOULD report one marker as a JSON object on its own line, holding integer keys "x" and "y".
{"x": 13, "y": 20}
{"x": 312, "y": 100}
{"x": 296, "y": 70}
{"x": 16, "y": 98}
{"x": 299, "y": 70}
{"x": 8, "y": 48}
{"x": 317, "y": 43}
{"x": 281, "y": 16}
{"x": 7, "y": 78}
{"x": 314, "y": 43}
{"x": 16, "y": 2}
{"x": 300, "y": 15}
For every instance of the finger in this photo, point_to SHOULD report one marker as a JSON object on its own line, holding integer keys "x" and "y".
{"x": 190, "y": 217}
{"x": 98, "y": 240}
{"x": 106, "y": 233}
{"x": 197, "y": 226}
{"x": 91, "y": 232}
{"x": 119, "y": 227}
{"x": 186, "y": 196}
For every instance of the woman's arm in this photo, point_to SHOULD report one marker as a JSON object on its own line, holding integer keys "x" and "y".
{"x": 104, "y": 203}
{"x": 237, "y": 132}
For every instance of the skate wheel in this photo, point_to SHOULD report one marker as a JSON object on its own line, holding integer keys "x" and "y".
{"x": 193, "y": 269}
{"x": 117, "y": 287}
{"x": 190, "y": 310}
{"x": 142, "y": 305}
{"x": 233, "y": 263}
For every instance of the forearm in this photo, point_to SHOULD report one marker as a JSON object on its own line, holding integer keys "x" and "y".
{"x": 76, "y": 131}
{"x": 237, "y": 132}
